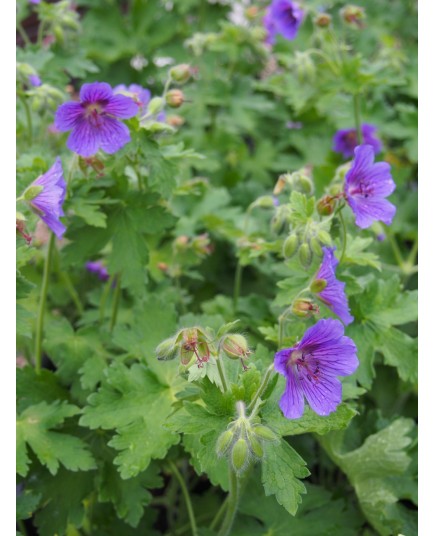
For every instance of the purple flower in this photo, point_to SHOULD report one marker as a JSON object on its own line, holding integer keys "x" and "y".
{"x": 366, "y": 186}
{"x": 34, "y": 1}
{"x": 94, "y": 120}
{"x": 140, "y": 95}
{"x": 34, "y": 80}
{"x": 282, "y": 17}
{"x": 98, "y": 268}
{"x": 311, "y": 366}
{"x": 345, "y": 140}
{"x": 333, "y": 294}
{"x": 48, "y": 203}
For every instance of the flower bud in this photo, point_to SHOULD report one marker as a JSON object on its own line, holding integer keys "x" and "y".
{"x": 290, "y": 246}
{"x": 304, "y": 308}
{"x": 316, "y": 247}
{"x": 32, "y": 192}
{"x": 263, "y": 432}
{"x": 353, "y": 15}
{"x": 324, "y": 237}
{"x": 235, "y": 346}
{"x": 175, "y": 120}
{"x": 280, "y": 184}
{"x": 180, "y": 73}
{"x": 223, "y": 442}
{"x": 305, "y": 255}
{"x": 155, "y": 105}
{"x": 326, "y": 205}
{"x": 240, "y": 455}
{"x": 167, "y": 350}
{"x": 175, "y": 98}
{"x": 323, "y": 20}
{"x": 265, "y": 201}
{"x": 256, "y": 446}
{"x": 318, "y": 285}
{"x": 304, "y": 66}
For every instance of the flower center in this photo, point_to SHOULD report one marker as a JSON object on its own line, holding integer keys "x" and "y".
{"x": 362, "y": 188}
{"x": 306, "y": 366}
{"x": 93, "y": 113}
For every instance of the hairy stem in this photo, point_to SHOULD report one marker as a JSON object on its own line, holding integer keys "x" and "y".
{"x": 221, "y": 371}
{"x": 116, "y": 300}
{"x": 237, "y": 284}
{"x": 42, "y": 302}
{"x": 232, "y": 507}
{"x": 356, "y": 102}
{"x": 262, "y": 387}
{"x": 186, "y": 495}
{"x": 344, "y": 236}
{"x": 28, "y": 118}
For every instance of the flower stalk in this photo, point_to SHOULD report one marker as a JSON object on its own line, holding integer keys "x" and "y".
{"x": 187, "y": 499}
{"x": 232, "y": 505}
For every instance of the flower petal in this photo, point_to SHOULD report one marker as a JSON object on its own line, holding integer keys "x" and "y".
{"x": 113, "y": 135}
{"x": 84, "y": 139}
{"x": 292, "y": 400}
{"x": 121, "y": 106}
{"x": 281, "y": 360}
{"x": 323, "y": 332}
{"x": 368, "y": 210}
{"x": 54, "y": 224}
{"x": 95, "y": 92}
{"x": 68, "y": 115}
{"x": 323, "y": 395}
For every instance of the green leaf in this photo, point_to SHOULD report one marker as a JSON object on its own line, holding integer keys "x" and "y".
{"x": 52, "y": 448}
{"x": 281, "y": 469}
{"x": 161, "y": 172}
{"x": 379, "y": 473}
{"x": 34, "y": 388}
{"x": 27, "y": 503}
{"x": 355, "y": 253}
{"x": 133, "y": 403}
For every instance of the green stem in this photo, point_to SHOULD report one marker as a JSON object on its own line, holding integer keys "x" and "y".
{"x": 232, "y": 504}
{"x": 42, "y": 302}
{"x": 186, "y": 497}
{"x": 237, "y": 284}
{"x": 344, "y": 236}
{"x": 395, "y": 248}
{"x": 72, "y": 292}
{"x": 262, "y": 387}
{"x": 222, "y": 374}
{"x": 356, "y": 101}
{"x": 23, "y": 34}
{"x": 116, "y": 300}
{"x": 29, "y": 119}
{"x": 413, "y": 253}
{"x": 219, "y": 514}
{"x": 104, "y": 297}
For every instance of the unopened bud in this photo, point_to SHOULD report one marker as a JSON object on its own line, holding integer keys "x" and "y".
{"x": 175, "y": 120}
{"x": 316, "y": 247}
{"x": 324, "y": 237}
{"x": 305, "y": 255}
{"x": 235, "y": 346}
{"x": 280, "y": 184}
{"x": 318, "y": 285}
{"x": 323, "y": 20}
{"x": 240, "y": 454}
{"x": 156, "y": 105}
{"x": 224, "y": 441}
{"x": 264, "y": 432}
{"x": 304, "y": 308}
{"x": 175, "y": 98}
{"x": 290, "y": 246}
{"x": 180, "y": 73}
{"x": 167, "y": 350}
{"x": 32, "y": 192}
{"x": 256, "y": 446}
{"x": 353, "y": 15}
{"x": 326, "y": 205}
{"x": 265, "y": 201}
{"x": 181, "y": 243}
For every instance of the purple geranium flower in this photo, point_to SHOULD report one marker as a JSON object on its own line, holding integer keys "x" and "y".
{"x": 94, "y": 120}
{"x": 48, "y": 203}
{"x": 140, "y": 95}
{"x": 34, "y": 80}
{"x": 311, "y": 366}
{"x": 98, "y": 268}
{"x": 333, "y": 294}
{"x": 345, "y": 140}
{"x": 282, "y": 17}
{"x": 366, "y": 186}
